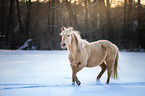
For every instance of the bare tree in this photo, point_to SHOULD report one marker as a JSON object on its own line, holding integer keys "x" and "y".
{"x": 109, "y": 23}
{"x": 101, "y": 18}
{"x": 124, "y": 24}
{"x": 10, "y": 21}
{"x": 141, "y": 24}
{"x": 28, "y": 24}
{"x": 72, "y": 16}
{"x": 3, "y": 15}
{"x": 19, "y": 16}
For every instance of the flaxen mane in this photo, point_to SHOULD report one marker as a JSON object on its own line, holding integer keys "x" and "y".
{"x": 78, "y": 38}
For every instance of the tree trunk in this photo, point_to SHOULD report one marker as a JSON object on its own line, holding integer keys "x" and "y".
{"x": 128, "y": 29}
{"x": 51, "y": 22}
{"x": 49, "y": 17}
{"x": 109, "y": 24}
{"x": 101, "y": 12}
{"x": 3, "y": 15}
{"x": 19, "y": 16}
{"x": 139, "y": 7}
{"x": 97, "y": 9}
{"x": 53, "y": 17}
{"x": 9, "y": 21}
{"x": 72, "y": 17}
{"x": 28, "y": 24}
{"x": 86, "y": 15}
{"x": 141, "y": 27}
{"x": 124, "y": 27}
{"x": 12, "y": 23}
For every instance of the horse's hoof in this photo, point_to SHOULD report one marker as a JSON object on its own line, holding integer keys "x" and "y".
{"x": 107, "y": 82}
{"x": 73, "y": 83}
{"x": 79, "y": 83}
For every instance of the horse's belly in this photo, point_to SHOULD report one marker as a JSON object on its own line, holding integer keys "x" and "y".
{"x": 96, "y": 59}
{"x": 94, "y": 63}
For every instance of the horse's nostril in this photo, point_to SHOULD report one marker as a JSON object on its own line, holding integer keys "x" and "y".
{"x": 62, "y": 44}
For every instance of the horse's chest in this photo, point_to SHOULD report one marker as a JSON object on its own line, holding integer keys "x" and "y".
{"x": 77, "y": 58}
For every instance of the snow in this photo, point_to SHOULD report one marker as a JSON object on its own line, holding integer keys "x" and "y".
{"x": 48, "y": 73}
{"x": 27, "y": 45}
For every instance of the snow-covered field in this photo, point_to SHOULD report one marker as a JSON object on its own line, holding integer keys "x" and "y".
{"x": 47, "y": 73}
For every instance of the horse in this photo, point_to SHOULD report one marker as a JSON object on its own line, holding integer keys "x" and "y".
{"x": 82, "y": 54}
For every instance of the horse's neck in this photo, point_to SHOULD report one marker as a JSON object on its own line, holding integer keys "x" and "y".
{"x": 74, "y": 48}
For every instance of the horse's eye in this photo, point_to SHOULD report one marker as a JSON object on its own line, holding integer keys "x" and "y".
{"x": 68, "y": 35}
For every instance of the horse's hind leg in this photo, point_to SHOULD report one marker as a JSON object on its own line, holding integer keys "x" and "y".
{"x": 109, "y": 69}
{"x": 109, "y": 75}
{"x": 103, "y": 66}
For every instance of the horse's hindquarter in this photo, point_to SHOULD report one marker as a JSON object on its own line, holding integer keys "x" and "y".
{"x": 98, "y": 54}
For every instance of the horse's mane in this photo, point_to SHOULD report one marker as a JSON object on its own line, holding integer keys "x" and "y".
{"x": 76, "y": 33}
{"x": 78, "y": 38}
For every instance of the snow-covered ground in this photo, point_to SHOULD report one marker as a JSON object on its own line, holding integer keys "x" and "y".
{"x": 47, "y": 73}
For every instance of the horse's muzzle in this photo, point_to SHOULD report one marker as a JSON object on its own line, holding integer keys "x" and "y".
{"x": 63, "y": 45}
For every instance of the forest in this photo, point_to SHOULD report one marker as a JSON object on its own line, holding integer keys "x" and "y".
{"x": 120, "y": 21}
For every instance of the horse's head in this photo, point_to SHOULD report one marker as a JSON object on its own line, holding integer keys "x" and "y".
{"x": 66, "y": 37}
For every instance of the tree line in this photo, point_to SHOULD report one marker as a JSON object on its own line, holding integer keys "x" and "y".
{"x": 122, "y": 24}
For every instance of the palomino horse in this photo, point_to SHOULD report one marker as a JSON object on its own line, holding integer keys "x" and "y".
{"x": 82, "y": 54}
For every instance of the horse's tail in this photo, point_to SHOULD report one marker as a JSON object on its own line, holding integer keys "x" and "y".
{"x": 115, "y": 73}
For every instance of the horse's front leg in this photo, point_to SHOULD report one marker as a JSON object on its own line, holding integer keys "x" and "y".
{"x": 76, "y": 69}
{"x": 73, "y": 74}
{"x": 75, "y": 79}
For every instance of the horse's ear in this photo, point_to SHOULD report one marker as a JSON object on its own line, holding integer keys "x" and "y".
{"x": 63, "y": 28}
{"x": 70, "y": 28}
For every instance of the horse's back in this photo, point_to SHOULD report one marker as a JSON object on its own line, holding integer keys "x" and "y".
{"x": 99, "y": 50}
{"x": 106, "y": 44}
{"x": 103, "y": 45}
{"x": 110, "y": 47}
